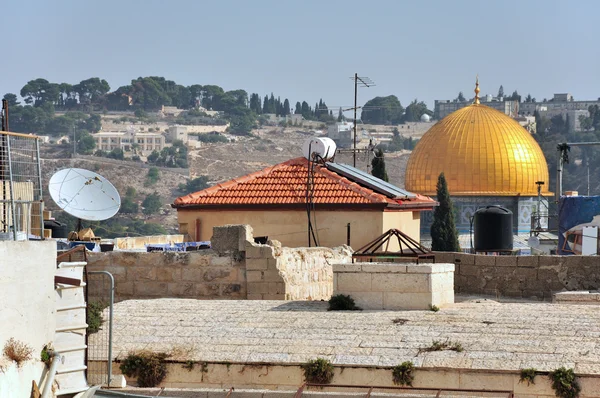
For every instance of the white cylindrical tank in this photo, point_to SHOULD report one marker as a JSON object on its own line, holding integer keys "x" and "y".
{"x": 323, "y": 146}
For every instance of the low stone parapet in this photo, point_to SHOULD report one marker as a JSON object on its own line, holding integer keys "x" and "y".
{"x": 577, "y": 297}
{"x": 391, "y": 286}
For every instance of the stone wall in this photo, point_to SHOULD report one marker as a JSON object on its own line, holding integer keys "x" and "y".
{"x": 522, "y": 276}
{"x": 386, "y": 286}
{"x": 203, "y": 274}
{"x": 283, "y": 273}
{"x": 236, "y": 268}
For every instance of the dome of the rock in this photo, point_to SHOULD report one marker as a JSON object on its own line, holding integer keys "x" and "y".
{"x": 482, "y": 152}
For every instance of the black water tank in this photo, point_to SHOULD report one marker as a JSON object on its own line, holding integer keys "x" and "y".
{"x": 493, "y": 229}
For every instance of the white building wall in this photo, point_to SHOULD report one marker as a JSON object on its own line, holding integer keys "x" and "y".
{"x": 27, "y": 311}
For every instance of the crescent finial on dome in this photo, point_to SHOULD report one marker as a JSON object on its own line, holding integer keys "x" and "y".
{"x": 476, "y": 101}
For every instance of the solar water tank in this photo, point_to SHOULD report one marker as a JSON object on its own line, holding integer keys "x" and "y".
{"x": 493, "y": 229}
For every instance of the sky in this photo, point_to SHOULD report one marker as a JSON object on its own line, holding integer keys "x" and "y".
{"x": 307, "y": 50}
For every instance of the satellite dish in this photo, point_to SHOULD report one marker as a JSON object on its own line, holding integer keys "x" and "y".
{"x": 84, "y": 194}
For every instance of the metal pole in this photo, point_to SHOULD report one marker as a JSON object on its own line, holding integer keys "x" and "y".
{"x": 74, "y": 143}
{"x": 40, "y": 197}
{"x": 559, "y": 176}
{"x": 11, "y": 188}
{"x": 588, "y": 176}
{"x": 355, "y": 101}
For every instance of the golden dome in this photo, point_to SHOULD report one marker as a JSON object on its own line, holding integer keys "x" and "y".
{"x": 482, "y": 152}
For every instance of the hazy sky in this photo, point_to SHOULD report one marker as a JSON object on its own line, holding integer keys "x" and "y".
{"x": 304, "y": 50}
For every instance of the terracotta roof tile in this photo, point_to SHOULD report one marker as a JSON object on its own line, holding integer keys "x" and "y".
{"x": 285, "y": 183}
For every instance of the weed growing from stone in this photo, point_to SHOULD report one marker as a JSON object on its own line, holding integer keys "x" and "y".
{"x": 564, "y": 383}
{"x": 402, "y": 374}
{"x": 528, "y": 375}
{"x": 318, "y": 371}
{"x": 399, "y": 321}
{"x": 341, "y": 302}
{"x": 94, "y": 316}
{"x": 433, "y": 308}
{"x": 149, "y": 367}
{"x": 45, "y": 355}
{"x": 17, "y": 351}
{"x": 442, "y": 346}
{"x": 189, "y": 365}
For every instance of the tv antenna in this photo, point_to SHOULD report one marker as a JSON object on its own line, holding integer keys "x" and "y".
{"x": 363, "y": 81}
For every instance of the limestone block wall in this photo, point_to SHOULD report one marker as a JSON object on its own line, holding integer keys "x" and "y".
{"x": 283, "y": 273}
{"x": 140, "y": 275}
{"x": 385, "y": 286}
{"x": 522, "y": 276}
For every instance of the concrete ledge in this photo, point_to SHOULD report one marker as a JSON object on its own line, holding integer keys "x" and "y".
{"x": 581, "y": 297}
{"x": 390, "y": 286}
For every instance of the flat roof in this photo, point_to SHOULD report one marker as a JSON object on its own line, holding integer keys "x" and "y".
{"x": 495, "y": 335}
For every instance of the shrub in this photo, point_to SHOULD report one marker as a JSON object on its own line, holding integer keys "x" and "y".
{"x": 17, "y": 351}
{"x": 564, "y": 383}
{"x": 94, "y": 316}
{"x": 528, "y": 375}
{"x": 45, "y": 355}
{"x": 402, "y": 374}
{"x": 149, "y": 367}
{"x": 341, "y": 302}
{"x": 152, "y": 177}
{"x": 318, "y": 371}
{"x": 434, "y": 308}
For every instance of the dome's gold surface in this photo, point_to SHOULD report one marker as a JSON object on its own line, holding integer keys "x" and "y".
{"x": 482, "y": 152}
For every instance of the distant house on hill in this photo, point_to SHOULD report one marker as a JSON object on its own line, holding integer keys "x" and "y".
{"x": 274, "y": 202}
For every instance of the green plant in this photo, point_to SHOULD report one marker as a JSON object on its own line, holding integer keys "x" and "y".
{"x": 399, "y": 321}
{"x": 46, "y": 355}
{"x": 434, "y": 308}
{"x": 341, "y": 302}
{"x": 149, "y": 367}
{"x": 17, "y": 351}
{"x": 528, "y": 375}
{"x": 402, "y": 374}
{"x": 318, "y": 371}
{"x": 564, "y": 383}
{"x": 447, "y": 345}
{"x": 94, "y": 316}
{"x": 189, "y": 365}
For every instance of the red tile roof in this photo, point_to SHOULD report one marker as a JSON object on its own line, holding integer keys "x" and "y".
{"x": 285, "y": 184}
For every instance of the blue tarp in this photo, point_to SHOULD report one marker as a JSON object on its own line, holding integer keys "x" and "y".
{"x": 573, "y": 211}
{"x": 178, "y": 247}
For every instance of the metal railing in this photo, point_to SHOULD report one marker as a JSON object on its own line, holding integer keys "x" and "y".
{"x": 99, "y": 352}
{"x": 21, "y": 203}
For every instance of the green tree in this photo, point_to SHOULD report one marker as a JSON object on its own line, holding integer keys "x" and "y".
{"x": 286, "y": 107}
{"x": 153, "y": 176}
{"x": 128, "y": 206}
{"x": 116, "y": 154}
{"x": 444, "y": 236}
{"x": 501, "y": 91}
{"x": 382, "y": 110}
{"x": 91, "y": 91}
{"x": 151, "y": 204}
{"x": 378, "y": 164}
{"x": 415, "y": 110}
{"x": 85, "y": 143}
{"x": 11, "y": 99}
{"x": 195, "y": 185}
{"x": 40, "y": 91}
{"x": 130, "y": 192}
{"x": 298, "y": 108}
{"x": 340, "y": 117}
{"x": 461, "y": 97}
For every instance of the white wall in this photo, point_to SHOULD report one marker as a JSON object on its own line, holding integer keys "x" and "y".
{"x": 27, "y": 310}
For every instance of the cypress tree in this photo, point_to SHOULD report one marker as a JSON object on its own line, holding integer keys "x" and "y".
{"x": 378, "y": 164}
{"x": 444, "y": 236}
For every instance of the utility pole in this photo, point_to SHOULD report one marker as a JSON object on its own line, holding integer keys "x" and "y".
{"x": 74, "y": 143}
{"x": 364, "y": 82}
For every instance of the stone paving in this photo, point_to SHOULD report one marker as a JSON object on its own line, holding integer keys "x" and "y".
{"x": 494, "y": 335}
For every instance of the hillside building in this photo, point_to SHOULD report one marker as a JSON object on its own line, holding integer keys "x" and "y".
{"x": 146, "y": 141}
{"x": 346, "y": 207}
